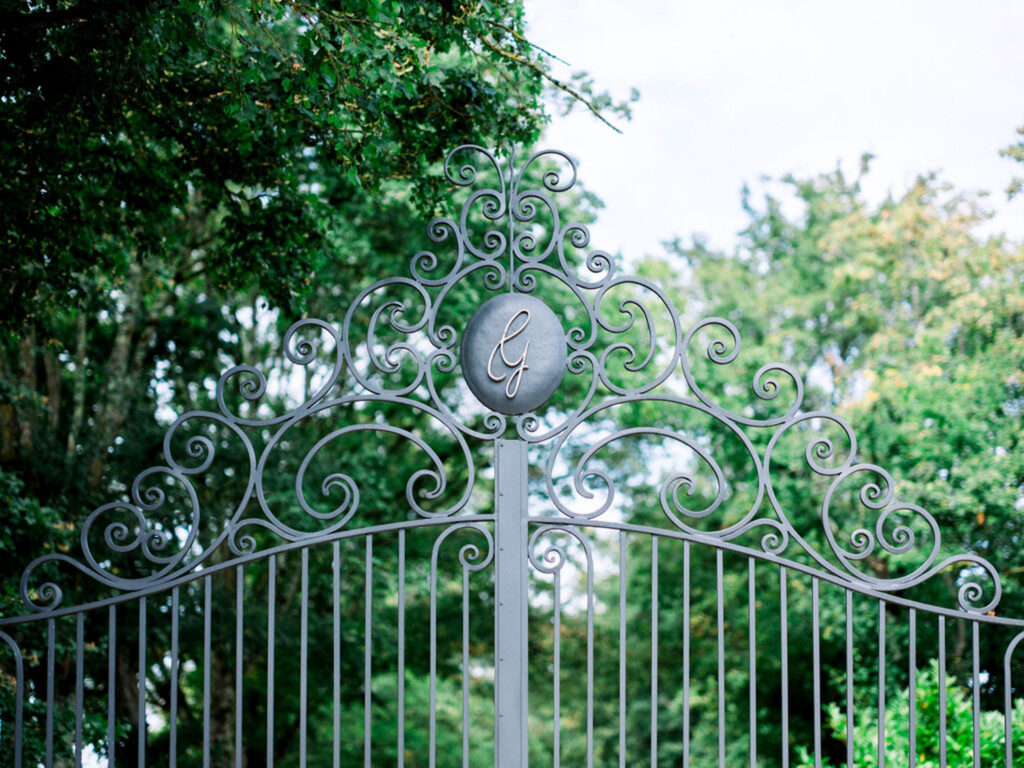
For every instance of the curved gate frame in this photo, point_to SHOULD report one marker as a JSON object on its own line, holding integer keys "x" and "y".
{"x": 619, "y": 353}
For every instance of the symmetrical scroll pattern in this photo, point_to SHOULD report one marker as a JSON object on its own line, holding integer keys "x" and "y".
{"x": 397, "y": 345}
{"x": 695, "y": 493}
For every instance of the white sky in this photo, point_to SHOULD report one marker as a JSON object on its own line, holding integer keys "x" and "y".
{"x": 732, "y": 91}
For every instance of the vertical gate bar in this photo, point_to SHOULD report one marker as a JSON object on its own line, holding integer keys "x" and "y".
{"x": 881, "y": 684}
{"x": 239, "y": 662}
{"x": 942, "y": 691}
{"x": 1007, "y": 710}
{"x": 79, "y": 683}
{"x": 1008, "y": 700}
{"x": 622, "y": 649}
{"x": 271, "y": 644}
{"x": 686, "y": 654}
{"x": 50, "y": 643}
{"x": 19, "y": 700}
{"x": 207, "y": 626}
{"x": 432, "y": 707}
{"x": 654, "y": 651}
{"x": 111, "y": 681}
{"x": 590, "y": 659}
{"x": 849, "y": 679}
{"x": 556, "y": 653}
{"x": 816, "y": 668}
{"x": 336, "y": 682}
{"x": 143, "y": 725}
{"x": 367, "y": 651}
{"x": 912, "y": 688}
{"x": 752, "y": 659}
{"x": 465, "y": 665}
{"x": 784, "y": 653}
{"x": 303, "y": 653}
{"x": 524, "y": 621}
{"x": 976, "y": 685}
{"x": 720, "y": 600}
{"x": 175, "y": 605}
{"x": 401, "y": 648}
{"x": 510, "y": 689}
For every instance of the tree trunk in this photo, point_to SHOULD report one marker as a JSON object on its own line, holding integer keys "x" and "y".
{"x": 27, "y": 374}
{"x": 119, "y": 379}
{"x": 78, "y": 387}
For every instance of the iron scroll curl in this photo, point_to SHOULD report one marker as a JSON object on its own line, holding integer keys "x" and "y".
{"x": 627, "y": 345}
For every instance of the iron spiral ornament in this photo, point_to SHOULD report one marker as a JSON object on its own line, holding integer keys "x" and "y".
{"x": 625, "y": 346}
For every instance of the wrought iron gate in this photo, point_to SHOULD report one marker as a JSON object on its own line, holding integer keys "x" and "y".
{"x": 181, "y": 605}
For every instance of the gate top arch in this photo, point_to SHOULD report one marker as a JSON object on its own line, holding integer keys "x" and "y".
{"x": 624, "y": 342}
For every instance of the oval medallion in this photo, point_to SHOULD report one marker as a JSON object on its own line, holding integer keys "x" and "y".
{"x": 513, "y": 353}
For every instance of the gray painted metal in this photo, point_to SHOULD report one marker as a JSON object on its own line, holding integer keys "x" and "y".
{"x": 513, "y": 353}
{"x": 510, "y": 689}
{"x": 622, "y": 342}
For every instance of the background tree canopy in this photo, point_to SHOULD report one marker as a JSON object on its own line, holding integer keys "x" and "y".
{"x": 181, "y": 180}
{"x": 137, "y": 132}
{"x": 172, "y": 167}
{"x": 911, "y": 326}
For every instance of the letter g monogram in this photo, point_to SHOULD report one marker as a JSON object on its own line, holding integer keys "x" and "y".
{"x": 517, "y": 366}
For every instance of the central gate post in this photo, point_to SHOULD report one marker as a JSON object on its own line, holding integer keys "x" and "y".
{"x": 510, "y": 675}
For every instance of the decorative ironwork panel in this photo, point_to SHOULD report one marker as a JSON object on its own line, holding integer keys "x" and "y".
{"x": 560, "y": 354}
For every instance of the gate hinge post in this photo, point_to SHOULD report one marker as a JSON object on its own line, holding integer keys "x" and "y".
{"x": 510, "y": 673}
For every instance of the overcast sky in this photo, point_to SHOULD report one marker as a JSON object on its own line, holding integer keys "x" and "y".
{"x": 732, "y": 91}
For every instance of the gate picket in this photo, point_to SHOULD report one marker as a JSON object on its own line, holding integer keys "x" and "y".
{"x": 619, "y": 630}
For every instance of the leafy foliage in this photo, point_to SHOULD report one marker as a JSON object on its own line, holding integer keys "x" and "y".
{"x": 958, "y": 728}
{"x": 181, "y": 177}
{"x": 180, "y": 181}
{"x": 910, "y": 326}
{"x": 1015, "y": 152}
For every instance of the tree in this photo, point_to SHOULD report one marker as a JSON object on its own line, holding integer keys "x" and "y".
{"x": 1015, "y": 152}
{"x": 183, "y": 179}
{"x": 145, "y": 131}
{"x": 910, "y": 326}
{"x": 959, "y": 728}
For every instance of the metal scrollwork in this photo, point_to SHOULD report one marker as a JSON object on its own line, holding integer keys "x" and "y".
{"x": 627, "y": 348}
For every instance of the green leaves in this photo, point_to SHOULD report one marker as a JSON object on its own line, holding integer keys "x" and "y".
{"x": 126, "y": 114}
{"x": 958, "y": 731}
{"x": 1015, "y": 152}
{"x": 911, "y": 326}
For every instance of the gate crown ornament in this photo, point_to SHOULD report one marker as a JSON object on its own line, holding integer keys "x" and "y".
{"x": 622, "y": 341}
{"x": 509, "y": 335}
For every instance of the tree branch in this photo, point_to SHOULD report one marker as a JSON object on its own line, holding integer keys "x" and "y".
{"x": 13, "y": 23}
{"x": 559, "y": 84}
